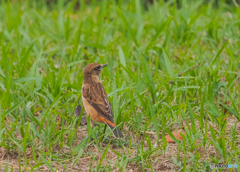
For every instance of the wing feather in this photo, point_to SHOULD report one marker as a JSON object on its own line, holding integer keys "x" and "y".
{"x": 97, "y": 97}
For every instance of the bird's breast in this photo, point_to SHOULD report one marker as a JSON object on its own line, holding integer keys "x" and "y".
{"x": 92, "y": 112}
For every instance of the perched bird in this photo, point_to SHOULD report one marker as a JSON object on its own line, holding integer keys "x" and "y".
{"x": 95, "y": 99}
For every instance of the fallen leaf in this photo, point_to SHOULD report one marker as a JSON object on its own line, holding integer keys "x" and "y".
{"x": 176, "y": 134}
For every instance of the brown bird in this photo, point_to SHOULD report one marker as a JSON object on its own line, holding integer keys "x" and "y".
{"x": 95, "y": 99}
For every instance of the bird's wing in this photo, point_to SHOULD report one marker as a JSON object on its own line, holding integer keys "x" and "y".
{"x": 97, "y": 98}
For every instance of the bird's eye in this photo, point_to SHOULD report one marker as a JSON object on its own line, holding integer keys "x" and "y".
{"x": 97, "y": 68}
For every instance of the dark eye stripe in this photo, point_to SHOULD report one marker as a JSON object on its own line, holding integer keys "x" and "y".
{"x": 98, "y": 67}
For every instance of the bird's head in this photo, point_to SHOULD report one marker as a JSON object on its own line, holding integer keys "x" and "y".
{"x": 92, "y": 71}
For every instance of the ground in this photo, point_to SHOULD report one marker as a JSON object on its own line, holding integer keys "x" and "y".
{"x": 172, "y": 68}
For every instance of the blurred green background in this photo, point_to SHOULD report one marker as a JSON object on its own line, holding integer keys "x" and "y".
{"x": 173, "y": 65}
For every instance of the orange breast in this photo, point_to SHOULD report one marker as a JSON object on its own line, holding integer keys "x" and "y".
{"x": 92, "y": 112}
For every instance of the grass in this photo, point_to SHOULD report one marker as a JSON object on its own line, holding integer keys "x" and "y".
{"x": 169, "y": 69}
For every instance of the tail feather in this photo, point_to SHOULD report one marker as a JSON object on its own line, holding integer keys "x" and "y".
{"x": 116, "y": 131}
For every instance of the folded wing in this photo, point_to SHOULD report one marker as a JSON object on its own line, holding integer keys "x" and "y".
{"x": 97, "y": 97}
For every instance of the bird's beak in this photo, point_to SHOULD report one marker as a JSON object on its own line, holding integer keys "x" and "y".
{"x": 104, "y": 65}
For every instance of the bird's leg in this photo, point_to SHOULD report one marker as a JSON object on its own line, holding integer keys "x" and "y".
{"x": 104, "y": 129}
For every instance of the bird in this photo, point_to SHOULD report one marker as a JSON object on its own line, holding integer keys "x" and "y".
{"x": 95, "y": 100}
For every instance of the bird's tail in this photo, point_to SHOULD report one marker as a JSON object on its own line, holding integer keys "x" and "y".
{"x": 116, "y": 131}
